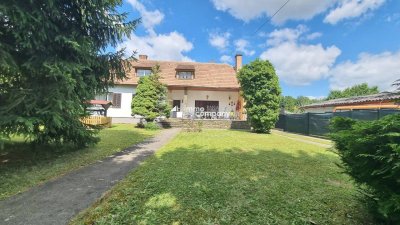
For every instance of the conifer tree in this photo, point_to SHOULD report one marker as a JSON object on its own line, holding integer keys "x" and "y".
{"x": 150, "y": 100}
{"x": 52, "y": 60}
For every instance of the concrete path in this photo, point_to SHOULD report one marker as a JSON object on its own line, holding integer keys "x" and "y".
{"x": 57, "y": 201}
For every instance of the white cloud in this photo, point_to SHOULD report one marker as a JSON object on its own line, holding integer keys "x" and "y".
{"x": 170, "y": 46}
{"x": 350, "y": 9}
{"x": 294, "y": 10}
{"x": 226, "y": 59}
{"x": 295, "y": 63}
{"x": 279, "y": 36}
{"x": 219, "y": 40}
{"x": 313, "y": 36}
{"x": 380, "y": 69}
{"x": 242, "y": 46}
{"x": 149, "y": 18}
{"x": 316, "y": 97}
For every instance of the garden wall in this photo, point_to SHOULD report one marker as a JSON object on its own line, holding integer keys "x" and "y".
{"x": 207, "y": 124}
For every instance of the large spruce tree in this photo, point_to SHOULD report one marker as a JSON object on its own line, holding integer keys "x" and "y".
{"x": 261, "y": 91}
{"x": 52, "y": 60}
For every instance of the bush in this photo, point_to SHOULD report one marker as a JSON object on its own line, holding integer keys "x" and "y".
{"x": 261, "y": 91}
{"x": 370, "y": 152}
{"x": 151, "y": 126}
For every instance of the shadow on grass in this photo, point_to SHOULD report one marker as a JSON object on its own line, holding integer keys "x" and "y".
{"x": 22, "y": 167}
{"x": 199, "y": 185}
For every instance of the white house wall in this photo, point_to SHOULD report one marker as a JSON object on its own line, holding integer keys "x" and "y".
{"x": 127, "y": 92}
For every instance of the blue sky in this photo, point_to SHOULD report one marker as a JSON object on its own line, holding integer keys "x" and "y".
{"x": 314, "y": 45}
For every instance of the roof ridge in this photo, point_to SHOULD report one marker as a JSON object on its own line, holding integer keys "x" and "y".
{"x": 362, "y": 98}
{"x": 186, "y": 62}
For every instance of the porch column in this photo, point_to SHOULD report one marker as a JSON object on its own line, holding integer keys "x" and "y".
{"x": 169, "y": 97}
{"x": 241, "y": 114}
{"x": 185, "y": 99}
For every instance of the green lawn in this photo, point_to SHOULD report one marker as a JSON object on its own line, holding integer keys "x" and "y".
{"x": 233, "y": 177}
{"x": 22, "y": 167}
{"x": 304, "y": 137}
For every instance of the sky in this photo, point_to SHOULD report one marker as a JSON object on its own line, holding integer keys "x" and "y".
{"x": 315, "y": 45}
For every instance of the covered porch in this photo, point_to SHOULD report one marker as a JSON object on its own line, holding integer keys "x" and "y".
{"x": 206, "y": 103}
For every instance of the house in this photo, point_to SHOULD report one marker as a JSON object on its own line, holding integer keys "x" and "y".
{"x": 384, "y": 100}
{"x": 195, "y": 90}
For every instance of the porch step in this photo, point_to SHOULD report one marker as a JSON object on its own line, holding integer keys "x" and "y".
{"x": 170, "y": 123}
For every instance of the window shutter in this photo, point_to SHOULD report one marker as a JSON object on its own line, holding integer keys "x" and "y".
{"x": 116, "y": 101}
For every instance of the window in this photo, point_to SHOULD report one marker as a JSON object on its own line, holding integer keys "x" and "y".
{"x": 115, "y": 99}
{"x": 143, "y": 72}
{"x": 185, "y": 75}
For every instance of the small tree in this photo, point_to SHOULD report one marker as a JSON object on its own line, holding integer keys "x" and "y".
{"x": 261, "y": 91}
{"x": 150, "y": 100}
{"x": 397, "y": 84}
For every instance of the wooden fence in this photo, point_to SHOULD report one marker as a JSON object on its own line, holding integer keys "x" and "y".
{"x": 97, "y": 120}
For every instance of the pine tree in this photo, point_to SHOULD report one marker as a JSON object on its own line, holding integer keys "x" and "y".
{"x": 52, "y": 60}
{"x": 150, "y": 100}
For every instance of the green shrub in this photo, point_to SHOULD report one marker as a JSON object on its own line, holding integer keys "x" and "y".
{"x": 370, "y": 152}
{"x": 151, "y": 126}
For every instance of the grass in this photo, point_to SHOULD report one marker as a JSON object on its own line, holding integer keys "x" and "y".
{"x": 22, "y": 168}
{"x": 233, "y": 177}
{"x": 304, "y": 137}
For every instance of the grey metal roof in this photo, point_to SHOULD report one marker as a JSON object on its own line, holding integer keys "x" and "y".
{"x": 359, "y": 99}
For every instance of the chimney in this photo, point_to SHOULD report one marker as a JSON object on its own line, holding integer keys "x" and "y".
{"x": 143, "y": 57}
{"x": 238, "y": 62}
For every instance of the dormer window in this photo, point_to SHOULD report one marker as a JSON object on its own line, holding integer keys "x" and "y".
{"x": 143, "y": 72}
{"x": 185, "y": 75}
{"x": 185, "y": 72}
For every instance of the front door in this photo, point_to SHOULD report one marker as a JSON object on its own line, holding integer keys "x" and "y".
{"x": 176, "y": 103}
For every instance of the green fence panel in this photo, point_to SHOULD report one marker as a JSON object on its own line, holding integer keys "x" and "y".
{"x": 281, "y": 122}
{"x": 297, "y": 123}
{"x": 343, "y": 114}
{"x": 365, "y": 114}
{"x": 385, "y": 112}
{"x": 319, "y": 123}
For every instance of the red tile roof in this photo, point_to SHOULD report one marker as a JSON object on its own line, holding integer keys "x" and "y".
{"x": 206, "y": 75}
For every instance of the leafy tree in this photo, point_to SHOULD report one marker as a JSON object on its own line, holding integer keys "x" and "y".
{"x": 289, "y": 103}
{"x": 261, "y": 91}
{"x": 52, "y": 60}
{"x": 150, "y": 100}
{"x": 356, "y": 90}
{"x": 397, "y": 84}
{"x": 294, "y": 105}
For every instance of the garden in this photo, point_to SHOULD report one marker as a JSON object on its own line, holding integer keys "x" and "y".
{"x": 233, "y": 177}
